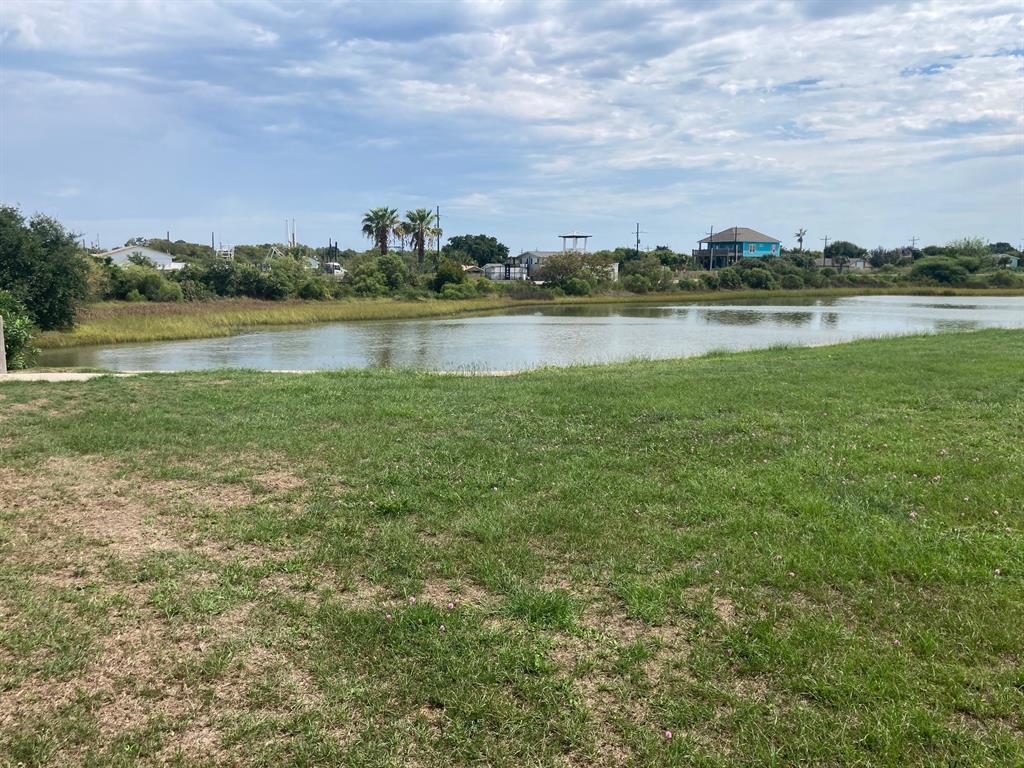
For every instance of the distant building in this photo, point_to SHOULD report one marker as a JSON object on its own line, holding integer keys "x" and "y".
{"x": 508, "y": 271}
{"x": 534, "y": 261}
{"x": 120, "y": 257}
{"x": 730, "y": 245}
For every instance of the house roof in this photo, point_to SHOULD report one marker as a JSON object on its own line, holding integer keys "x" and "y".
{"x": 130, "y": 249}
{"x": 740, "y": 235}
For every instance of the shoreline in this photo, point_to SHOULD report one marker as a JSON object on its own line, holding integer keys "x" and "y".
{"x": 126, "y": 323}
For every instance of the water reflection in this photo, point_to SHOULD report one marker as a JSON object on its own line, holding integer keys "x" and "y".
{"x": 559, "y": 335}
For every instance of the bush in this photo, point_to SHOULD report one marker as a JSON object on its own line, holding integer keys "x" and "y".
{"x": 711, "y": 281}
{"x": 458, "y": 291}
{"x": 193, "y": 290}
{"x": 759, "y": 279}
{"x": 1004, "y": 278}
{"x": 636, "y": 284}
{"x": 135, "y": 283}
{"x": 729, "y": 279}
{"x": 576, "y": 286}
{"x": 448, "y": 272}
{"x": 18, "y": 332}
{"x": 792, "y": 282}
{"x": 939, "y": 269}
{"x": 315, "y": 289}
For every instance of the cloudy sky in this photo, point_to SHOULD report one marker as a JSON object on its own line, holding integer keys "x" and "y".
{"x": 869, "y": 121}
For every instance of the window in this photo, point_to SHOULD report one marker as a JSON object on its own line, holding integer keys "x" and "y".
{"x": 751, "y": 247}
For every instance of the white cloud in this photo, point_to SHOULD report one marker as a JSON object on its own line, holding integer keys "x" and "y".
{"x": 597, "y": 102}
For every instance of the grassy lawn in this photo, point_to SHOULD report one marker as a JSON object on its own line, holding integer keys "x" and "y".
{"x": 123, "y": 322}
{"x": 793, "y": 556}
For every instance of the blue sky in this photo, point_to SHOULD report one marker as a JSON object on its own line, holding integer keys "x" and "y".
{"x": 868, "y": 121}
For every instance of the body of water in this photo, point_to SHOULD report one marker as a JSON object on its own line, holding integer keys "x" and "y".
{"x": 558, "y": 335}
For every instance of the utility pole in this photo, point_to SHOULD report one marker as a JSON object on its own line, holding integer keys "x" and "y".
{"x": 437, "y": 219}
{"x": 213, "y": 247}
{"x": 913, "y": 242}
{"x": 638, "y": 241}
{"x": 825, "y": 238}
{"x": 711, "y": 241}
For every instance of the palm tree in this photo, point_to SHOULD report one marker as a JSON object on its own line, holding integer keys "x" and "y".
{"x": 401, "y": 232}
{"x": 800, "y": 235}
{"x": 378, "y": 226}
{"x": 418, "y": 224}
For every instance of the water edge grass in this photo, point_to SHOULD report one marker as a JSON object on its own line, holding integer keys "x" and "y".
{"x": 783, "y": 557}
{"x": 121, "y": 322}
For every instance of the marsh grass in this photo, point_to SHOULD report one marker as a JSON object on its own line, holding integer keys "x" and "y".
{"x": 124, "y": 322}
{"x": 790, "y": 556}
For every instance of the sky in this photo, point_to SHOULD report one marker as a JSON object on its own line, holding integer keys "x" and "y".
{"x": 867, "y": 121}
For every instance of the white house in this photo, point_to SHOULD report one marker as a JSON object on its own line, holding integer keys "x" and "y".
{"x": 120, "y": 256}
{"x": 504, "y": 272}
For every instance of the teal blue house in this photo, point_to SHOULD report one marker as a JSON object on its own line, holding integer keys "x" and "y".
{"x": 730, "y": 245}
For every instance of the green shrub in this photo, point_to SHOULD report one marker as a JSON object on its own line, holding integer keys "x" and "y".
{"x": 448, "y": 272}
{"x": 459, "y": 291}
{"x": 711, "y": 281}
{"x": 193, "y": 290}
{"x": 792, "y": 282}
{"x": 939, "y": 269}
{"x": 576, "y": 286}
{"x": 636, "y": 284}
{"x": 729, "y": 279}
{"x": 759, "y": 279}
{"x": 1004, "y": 278}
{"x": 18, "y": 332}
{"x": 315, "y": 289}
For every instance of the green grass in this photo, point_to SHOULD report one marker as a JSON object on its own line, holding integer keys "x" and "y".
{"x": 122, "y": 322}
{"x": 791, "y": 556}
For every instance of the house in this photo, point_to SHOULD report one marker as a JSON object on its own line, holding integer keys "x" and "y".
{"x": 121, "y": 257}
{"x": 534, "y": 261}
{"x": 507, "y": 271}
{"x": 730, "y": 245}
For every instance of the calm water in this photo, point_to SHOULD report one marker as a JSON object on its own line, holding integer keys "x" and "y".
{"x": 533, "y": 337}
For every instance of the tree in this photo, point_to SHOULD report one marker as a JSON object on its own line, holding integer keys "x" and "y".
{"x": 417, "y": 225}
{"x": 43, "y": 268}
{"x": 800, "y": 235}
{"x": 378, "y": 226}
{"x": 483, "y": 249}
{"x": 448, "y": 272}
{"x": 18, "y": 331}
{"x": 842, "y": 251}
{"x": 559, "y": 268}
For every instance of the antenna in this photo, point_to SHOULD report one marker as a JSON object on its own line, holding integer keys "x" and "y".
{"x": 638, "y": 233}
{"x": 825, "y": 238}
